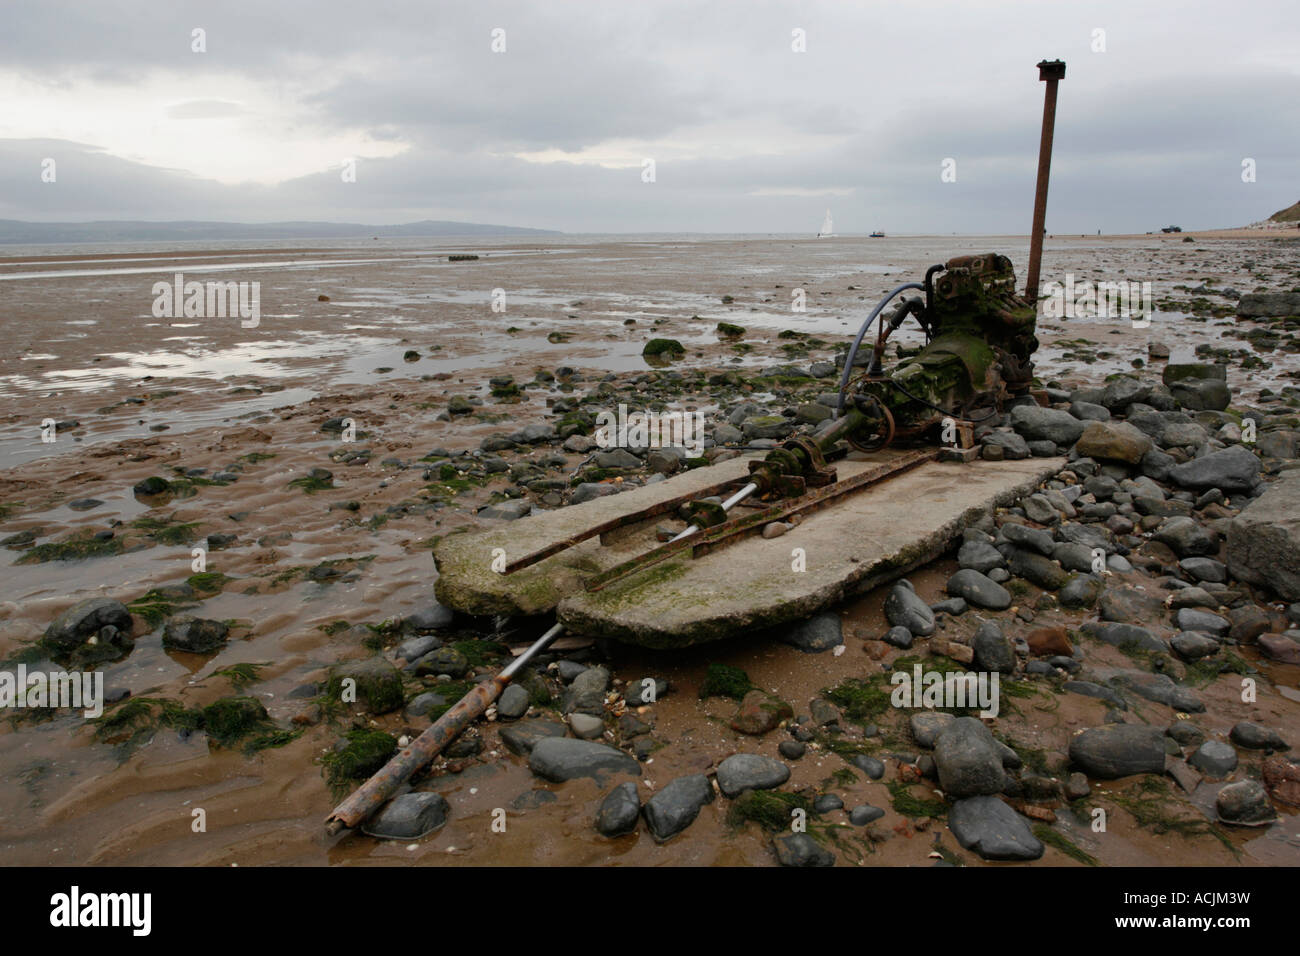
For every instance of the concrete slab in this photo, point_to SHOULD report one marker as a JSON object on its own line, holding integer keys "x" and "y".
{"x": 467, "y": 583}
{"x": 865, "y": 540}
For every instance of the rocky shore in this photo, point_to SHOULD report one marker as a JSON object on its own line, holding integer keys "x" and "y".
{"x": 1141, "y": 610}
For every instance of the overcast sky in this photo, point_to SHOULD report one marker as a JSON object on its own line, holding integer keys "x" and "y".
{"x": 747, "y": 135}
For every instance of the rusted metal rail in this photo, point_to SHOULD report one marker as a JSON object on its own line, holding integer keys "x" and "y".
{"x": 376, "y": 791}
{"x": 729, "y": 532}
{"x": 661, "y": 507}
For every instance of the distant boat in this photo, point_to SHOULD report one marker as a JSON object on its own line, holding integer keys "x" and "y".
{"x": 828, "y": 228}
{"x": 877, "y": 235}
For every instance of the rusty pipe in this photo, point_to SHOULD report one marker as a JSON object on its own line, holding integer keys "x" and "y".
{"x": 372, "y": 794}
{"x": 1050, "y": 72}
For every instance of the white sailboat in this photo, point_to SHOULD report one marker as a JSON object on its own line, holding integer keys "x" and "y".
{"x": 828, "y": 229}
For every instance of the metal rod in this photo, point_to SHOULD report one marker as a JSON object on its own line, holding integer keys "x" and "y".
{"x": 376, "y": 791}
{"x": 727, "y": 505}
{"x": 1049, "y": 71}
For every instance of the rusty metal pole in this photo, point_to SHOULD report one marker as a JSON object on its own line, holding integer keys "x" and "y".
{"x": 1049, "y": 71}
{"x": 374, "y": 793}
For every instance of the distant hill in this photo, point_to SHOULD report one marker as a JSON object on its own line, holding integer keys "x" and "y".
{"x": 1289, "y": 214}
{"x": 15, "y": 230}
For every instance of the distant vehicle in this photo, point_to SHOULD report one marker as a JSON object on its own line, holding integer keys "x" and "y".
{"x": 877, "y": 235}
{"x": 1172, "y": 229}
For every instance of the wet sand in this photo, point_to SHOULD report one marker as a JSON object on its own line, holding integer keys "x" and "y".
{"x": 149, "y": 396}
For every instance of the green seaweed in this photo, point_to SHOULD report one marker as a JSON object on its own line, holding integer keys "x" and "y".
{"x": 365, "y": 753}
{"x": 770, "y": 809}
{"x": 1062, "y": 843}
{"x": 904, "y": 802}
{"x": 723, "y": 680}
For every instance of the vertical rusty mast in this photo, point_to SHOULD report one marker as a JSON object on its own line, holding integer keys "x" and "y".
{"x": 1050, "y": 71}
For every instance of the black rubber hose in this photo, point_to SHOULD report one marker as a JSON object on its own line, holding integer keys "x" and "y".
{"x": 853, "y": 349}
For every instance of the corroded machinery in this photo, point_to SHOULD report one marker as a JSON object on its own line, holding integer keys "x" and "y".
{"x": 979, "y": 343}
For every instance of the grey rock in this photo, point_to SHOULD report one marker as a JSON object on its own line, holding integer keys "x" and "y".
{"x": 194, "y": 635}
{"x": 568, "y": 670}
{"x": 993, "y": 652}
{"x": 509, "y": 510}
{"x": 1186, "y": 538}
{"x": 792, "y": 749}
{"x": 992, "y": 829}
{"x": 968, "y": 760}
{"x": 873, "y": 767}
{"x": 819, "y": 633}
{"x": 585, "y": 726}
{"x": 1268, "y": 304}
{"x": 1252, "y": 736}
{"x": 1264, "y": 539}
{"x": 443, "y": 660}
{"x": 927, "y": 725}
{"x": 1204, "y": 569}
{"x": 522, "y": 737}
{"x": 1037, "y": 569}
{"x": 1118, "y": 750}
{"x": 1193, "y": 645}
{"x": 430, "y": 617}
{"x": 409, "y": 816}
{"x": 979, "y": 556}
{"x": 1088, "y": 412}
{"x": 513, "y": 702}
{"x": 1081, "y": 591}
{"x": 953, "y": 606}
{"x": 563, "y": 758}
{"x": 1030, "y": 539}
{"x": 861, "y": 816}
{"x": 1012, "y": 446}
{"x": 1073, "y": 557}
{"x": 1202, "y": 394}
{"x": 898, "y": 636}
{"x": 589, "y": 490}
{"x": 827, "y": 803}
{"x": 586, "y": 694}
{"x": 799, "y": 849}
{"x": 1161, "y": 689}
{"x": 1186, "y": 733}
{"x": 741, "y": 772}
{"x": 1036, "y": 423}
{"x": 904, "y": 608}
{"x": 619, "y": 811}
{"x": 420, "y": 705}
{"x": 645, "y": 690}
{"x": 414, "y": 648}
{"x": 978, "y": 590}
{"x": 1119, "y": 634}
{"x": 1231, "y": 470}
{"x": 675, "y": 807}
{"x": 1245, "y": 803}
{"x": 1097, "y": 691}
{"x": 82, "y": 621}
{"x": 1192, "y": 619}
{"x": 1215, "y": 759}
